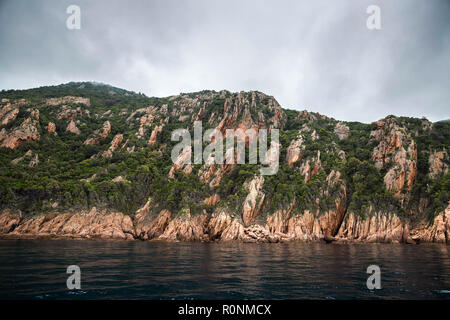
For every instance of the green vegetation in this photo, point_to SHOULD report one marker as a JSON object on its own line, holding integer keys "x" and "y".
{"x": 75, "y": 175}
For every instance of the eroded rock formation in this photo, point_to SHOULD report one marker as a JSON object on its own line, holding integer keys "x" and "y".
{"x": 68, "y": 99}
{"x": 114, "y": 145}
{"x": 318, "y": 197}
{"x": 396, "y": 151}
{"x": 72, "y": 127}
{"x": 100, "y": 134}
{"x": 85, "y": 224}
{"x": 27, "y": 131}
{"x": 222, "y": 225}
{"x": 51, "y": 128}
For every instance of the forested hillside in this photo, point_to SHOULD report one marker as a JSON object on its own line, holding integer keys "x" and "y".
{"x": 70, "y": 148}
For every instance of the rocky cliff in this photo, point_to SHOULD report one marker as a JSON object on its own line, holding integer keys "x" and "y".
{"x": 85, "y": 160}
{"x": 223, "y": 226}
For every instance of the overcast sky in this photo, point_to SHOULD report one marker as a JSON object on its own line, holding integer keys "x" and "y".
{"x": 314, "y": 55}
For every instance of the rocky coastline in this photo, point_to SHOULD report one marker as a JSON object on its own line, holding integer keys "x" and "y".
{"x": 221, "y": 226}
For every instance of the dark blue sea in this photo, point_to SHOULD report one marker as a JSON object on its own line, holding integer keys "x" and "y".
{"x": 36, "y": 269}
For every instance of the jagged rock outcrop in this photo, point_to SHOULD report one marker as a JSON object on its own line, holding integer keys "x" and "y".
{"x": 34, "y": 113}
{"x": 396, "y": 151}
{"x": 311, "y": 167}
{"x": 100, "y": 135}
{"x": 438, "y": 231}
{"x": 186, "y": 228}
{"x": 91, "y": 178}
{"x": 114, "y": 145}
{"x": 341, "y": 130}
{"x": 34, "y": 161}
{"x": 67, "y": 113}
{"x": 9, "y": 221}
{"x": 157, "y": 130}
{"x": 272, "y": 157}
{"x": 326, "y": 188}
{"x": 68, "y": 99}
{"x": 27, "y": 131}
{"x": 305, "y": 227}
{"x": 238, "y": 114}
{"x": 437, "y": 165}
{"x": 28, "y": 155}
{"x": 147, "y": 226}
{"x": 219, "y": 221}
{"x": 254, "y": 200}
{"x": 183, "y": 162}
{"x": 310, "y": 226}
{"x": 5, "y": 109}
{"x": 3, "y": 134}
{"x": 51, "y": 128}
{"x": 224, "y": 226}
{"x": 212, "y": 173}
{"x": 145, "y": 121}
{"x": 119, "y": 179}
{"x": 377, "y": 227}
{"x": 107, "y": 114}
{"x": 9, "y": 111}
{"x": 10, "y": 116}
{"x": 72, "y": 127}
{"x": 294, "y": 152}
{"x": 85, "y": 224}
{"x": 278, "y": 222}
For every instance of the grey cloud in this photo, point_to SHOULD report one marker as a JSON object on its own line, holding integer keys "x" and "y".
{"x": 315, "y": 55}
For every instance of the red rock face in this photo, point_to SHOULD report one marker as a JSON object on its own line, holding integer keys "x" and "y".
{"x": 439, "y": 231}
{"x": 68, "y": 99}
{"x": 294, "y": 152}
{"x": 254, "y": 200}
{"x": 379, "y": 227}
{"x": 145, "y": 117}
{"x": 236, "y": 115}
{"x": 154, "y": 135}
{"x": 9, "y": 111}
{"x": 51, "y": 128}
{"x": 100, "y": 135}
{"x": 183, "y": 162}
{"x": 212, "y": 200}
{"x": 222, "y": 226}
{"x": 395, "y": 147}
{"x": 26, "y": 131}
{"x": 212, "y": 174}
{"x": 148, "y": 227}
{"x": 114, "y": 145}
{"x": 395, "y": 151}
{"x": 278, "y": 223}
{"x": 437, "y": 164}
{"x": 85, "y": 224}
{"x": 5, "y": 109}
{"x": 341, "y": 130}
{"x": 10, "y": 116}
{"x": 307, "y": 170}
{"x": 116, "y": 141}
